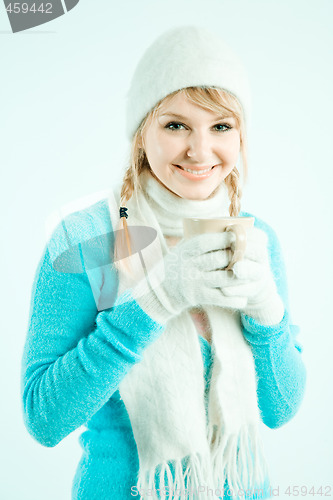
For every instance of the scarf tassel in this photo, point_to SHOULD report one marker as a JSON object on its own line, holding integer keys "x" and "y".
{"x": 175, "y": 479}
{"x": 238, "y": 461}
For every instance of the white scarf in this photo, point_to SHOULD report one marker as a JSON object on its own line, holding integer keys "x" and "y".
{"x": 164, "y": 393}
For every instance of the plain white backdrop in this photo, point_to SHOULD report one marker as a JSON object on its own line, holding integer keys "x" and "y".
{"x": 62, "y": 101}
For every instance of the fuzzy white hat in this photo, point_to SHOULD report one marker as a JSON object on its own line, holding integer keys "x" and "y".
{"x": 185, "y": 56}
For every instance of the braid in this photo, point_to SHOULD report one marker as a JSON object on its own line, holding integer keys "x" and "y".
{"x": 234, "y": 191}
{"x": 123, "y": 242}
{"x": 123, "y": 247}
{"x": 127, "y": 187}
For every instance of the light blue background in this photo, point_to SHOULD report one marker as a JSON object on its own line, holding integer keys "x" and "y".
{"x": 62, "y": 103}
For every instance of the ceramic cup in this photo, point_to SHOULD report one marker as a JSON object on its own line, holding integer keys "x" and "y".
{"x": 239, "y": 225}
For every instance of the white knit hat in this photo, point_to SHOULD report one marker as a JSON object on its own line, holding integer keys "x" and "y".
{"x": 185, "y": 56}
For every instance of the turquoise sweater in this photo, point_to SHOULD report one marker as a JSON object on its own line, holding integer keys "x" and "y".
{"x": 79, "y": 348}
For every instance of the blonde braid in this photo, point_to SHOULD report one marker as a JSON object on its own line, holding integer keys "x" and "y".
{"x": 232, "y": 182}
{"x": 127, "y": 187}
{"x": 130, "y": 183}
{"x": 123, "y": 242}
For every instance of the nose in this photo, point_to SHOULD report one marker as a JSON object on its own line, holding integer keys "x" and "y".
{"x": 199, "y": 146}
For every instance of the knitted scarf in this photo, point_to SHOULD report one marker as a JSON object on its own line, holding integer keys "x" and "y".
{"x": 164, "y": 393}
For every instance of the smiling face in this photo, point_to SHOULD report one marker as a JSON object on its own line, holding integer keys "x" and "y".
{"x": 191, "y": 150}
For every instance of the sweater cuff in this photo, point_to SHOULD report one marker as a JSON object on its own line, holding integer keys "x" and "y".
{"x": 259, "y": 334}
{"x": 131, "y": 329}
{"x": 270, "y": 313}
{"x": 155, "y": 309}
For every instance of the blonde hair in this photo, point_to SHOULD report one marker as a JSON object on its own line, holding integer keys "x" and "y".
{"x": 210, "y": 98}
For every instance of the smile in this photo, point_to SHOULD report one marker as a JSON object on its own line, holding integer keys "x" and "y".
{"x": 195, "y": 172}
{"x": 198, "y": 174}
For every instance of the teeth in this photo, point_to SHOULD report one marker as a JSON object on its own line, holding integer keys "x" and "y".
{"x": 196, "y": 172}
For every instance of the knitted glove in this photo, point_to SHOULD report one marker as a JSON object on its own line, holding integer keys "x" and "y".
{"x": 254, "y": 280}
{"x": 193, "y": 275}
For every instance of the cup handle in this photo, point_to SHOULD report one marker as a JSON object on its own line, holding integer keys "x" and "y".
{"x": 240, "y": 244}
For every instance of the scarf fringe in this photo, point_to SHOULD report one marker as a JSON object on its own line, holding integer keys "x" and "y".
{"x": 180, "y": 480}
{"x": 238, "y": 459}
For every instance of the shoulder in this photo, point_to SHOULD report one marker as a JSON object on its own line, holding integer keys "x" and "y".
{"x": 261, "y": 224}
{"x": 273, "y": 241}
{"x": 81, "y": 231}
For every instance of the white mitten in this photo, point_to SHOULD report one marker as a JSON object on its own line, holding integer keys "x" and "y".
{"x": 253, "y": 279}
{"x": 193, "y": 275}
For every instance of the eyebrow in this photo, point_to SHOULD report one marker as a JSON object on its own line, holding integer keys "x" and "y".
{"x": 181, "y": 117}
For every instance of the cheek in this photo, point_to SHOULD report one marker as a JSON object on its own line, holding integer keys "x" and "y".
{"x": 231, "y": 149}
{"x": 168, "y": 146}
{"x": 162, "y": 147}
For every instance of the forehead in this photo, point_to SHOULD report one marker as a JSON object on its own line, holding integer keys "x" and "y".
{"x": 180, "y": 106}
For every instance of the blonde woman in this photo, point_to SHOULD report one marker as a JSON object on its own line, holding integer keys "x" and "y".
{"x": 169, "y": 359}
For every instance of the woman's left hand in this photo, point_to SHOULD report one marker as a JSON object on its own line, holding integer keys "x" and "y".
{"x": 253, "y": 279}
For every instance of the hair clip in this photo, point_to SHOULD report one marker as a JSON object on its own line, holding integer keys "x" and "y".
{"x": 123, "y": 212}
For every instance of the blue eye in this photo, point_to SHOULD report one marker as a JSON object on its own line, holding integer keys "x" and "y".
{"x": 173, "y": 124}
{"x": 227, "y": 127}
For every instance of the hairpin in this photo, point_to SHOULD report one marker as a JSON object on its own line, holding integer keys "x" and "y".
{"x": 123, "y": 212}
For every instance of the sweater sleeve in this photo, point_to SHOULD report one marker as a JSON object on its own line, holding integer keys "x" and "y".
{"x": 281, "y": 374}
{"x": 75, "y": 355}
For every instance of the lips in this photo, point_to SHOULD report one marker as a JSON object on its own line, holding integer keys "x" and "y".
{"x": 195, "y": 174}
{"x": 195, "y": 169}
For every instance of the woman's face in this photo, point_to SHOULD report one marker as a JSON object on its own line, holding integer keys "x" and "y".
{"x": 184, "y": 137}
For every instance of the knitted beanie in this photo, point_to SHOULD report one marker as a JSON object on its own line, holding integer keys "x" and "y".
{"x": 185, "y": 56}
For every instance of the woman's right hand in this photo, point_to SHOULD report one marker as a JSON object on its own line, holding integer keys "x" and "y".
{"x": 193, "y": 275}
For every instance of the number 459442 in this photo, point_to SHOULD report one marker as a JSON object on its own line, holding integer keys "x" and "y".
{"x": 295, "y": 491}
{"x": 18, "y": 7}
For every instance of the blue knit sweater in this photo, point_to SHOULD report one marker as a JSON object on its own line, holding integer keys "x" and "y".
{"x": 79, "y": 348}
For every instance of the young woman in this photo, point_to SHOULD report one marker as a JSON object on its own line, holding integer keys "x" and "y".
{"x": 169, "y": 359}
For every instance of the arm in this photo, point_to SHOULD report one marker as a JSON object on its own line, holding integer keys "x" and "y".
{"x": 75, "y": 357}
{"x": 277, "y": 354}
